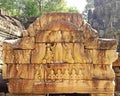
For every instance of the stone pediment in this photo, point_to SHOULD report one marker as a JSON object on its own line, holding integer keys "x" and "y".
{"x": 60, "y": 31}
{"x": 61, "y": 25}
{"x": 60, "y": 53}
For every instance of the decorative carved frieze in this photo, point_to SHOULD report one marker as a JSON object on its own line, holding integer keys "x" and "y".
{"x": 60, "y": 53}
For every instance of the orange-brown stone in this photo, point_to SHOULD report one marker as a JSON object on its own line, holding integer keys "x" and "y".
{"x": 60, "y": 53}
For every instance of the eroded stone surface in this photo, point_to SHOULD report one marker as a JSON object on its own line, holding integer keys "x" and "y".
{"x": 59, "y": 53}
{"x": 116, "y": 67}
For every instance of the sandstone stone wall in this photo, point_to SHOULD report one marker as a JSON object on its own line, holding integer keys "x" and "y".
{"x": 60, "y": 53}
{"x": 116, "y": 67}
{"x": 106, "y": 19}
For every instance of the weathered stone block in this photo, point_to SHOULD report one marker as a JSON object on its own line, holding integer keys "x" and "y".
{"x": 20, "y": 86}
{"x": 103, "y": 72}
{"x": 117, "y": 61}
{"x": 4, "y": 71}
{"x": 11, "y": 44}
{"x": 38, "y": 54}
{"x": 61, "y": 26}
{"x": 22, "y": 56}
{"x": 117, "y": 84}
{"x": 101, "y": 86}
{"x": 24, "y": 43}
{"x": 36, "y": 26}
{"x": 64, "y": 87}
{"x": 12, "y": 71}
{"x": 116, "y": 69}
{"x": 60, "y": 31}
{"x": 79, "y": 54}
{"x": 21, "y": 71}
{"x": 68, "y": 72}
{"x": 104, "y": 56}
{"x": 83, "y": 86}
{"x": 73, "y": 18}
{"x": 77, "y": 19}
{"x": 105, "y": 94}
{"x": 117, "y": 74}
{"x": 8, "y": 56}
{"x": 43, "y": 21}
{"x": 90, "y": 34}
{"x": 42, "y": 36}
{"x": 27, "y": 43}
{"x": 39, "y": 74}
{"x": 25, "y": 33}
{"x": 60, "y": 53}
{"x": 98, "y": 43}
{"x": 7, "y": 46}
{"x": 107, "y": 44}
{"x": 25, "y": 71}
{"x": 31, "y": 30}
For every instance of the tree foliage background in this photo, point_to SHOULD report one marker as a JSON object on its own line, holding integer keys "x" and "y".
{"x": 32, "y": 8}
{"x": 88, "y": 8}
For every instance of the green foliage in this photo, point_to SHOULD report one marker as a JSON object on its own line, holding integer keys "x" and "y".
{"x": 7, "y": 5}
{"x": 33, "y": 8}
{"x": 72, "y": 9}
{"x": 54, "y": 6}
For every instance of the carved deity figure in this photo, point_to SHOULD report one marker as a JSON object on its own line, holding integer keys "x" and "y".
{"x": 67, "y": 56}
{"x": 57, "y": 47}
{"x": 62, "y": 49}
{"x": 39, "y": 75}
{"x": 49, "y": 54}
{"x": 67, "y": 47}
{"x": 59, "y": 75}
{"x": 73, "y": 75}
{"x": 66, "y": 75}
{"x": 80, "y": 74}
{"x": 51, "y": 76}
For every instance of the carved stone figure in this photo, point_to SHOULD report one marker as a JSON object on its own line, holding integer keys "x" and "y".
{"x": 65, "y": 56}
{"x": 66, "y": 75}
{"x": 67, "y": 50}
{"x": 51, "y": 76}
{"x": 59, "y": 75}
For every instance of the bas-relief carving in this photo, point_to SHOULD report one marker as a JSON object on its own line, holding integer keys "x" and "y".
{"x": 60, "y": 48}
{"x": 66, "y": 75}
{"x": 22, "y": 71}
{"x": 51, "y": 75}
{"x": 36, "y": 54}
{"x": 68, "y": 52}
{"x": 62, "y": 56}
{"x": 39, "y": 73}
{"x": 68, "y": 72}
{"x": 64, "y": 52}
